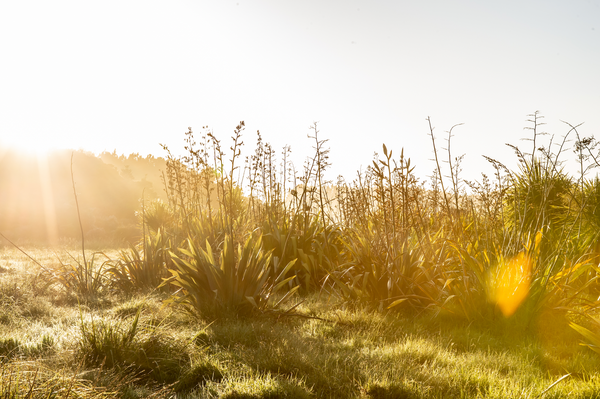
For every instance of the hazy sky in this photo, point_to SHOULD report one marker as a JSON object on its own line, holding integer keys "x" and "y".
{"x": 128, "y": 75}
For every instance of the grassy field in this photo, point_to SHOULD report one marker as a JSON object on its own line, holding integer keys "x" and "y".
{"x": 277, "y": 284}
{"x": 52, "y": 345}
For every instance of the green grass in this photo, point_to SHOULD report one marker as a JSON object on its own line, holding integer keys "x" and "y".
{"x": 327, "y": 350}
{"x": 379, "y": 288}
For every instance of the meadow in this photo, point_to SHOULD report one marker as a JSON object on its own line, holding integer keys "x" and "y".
{"x": 251, "y": 279}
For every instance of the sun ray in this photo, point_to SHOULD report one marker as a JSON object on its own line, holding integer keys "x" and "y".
{"x": 47, "y": 198}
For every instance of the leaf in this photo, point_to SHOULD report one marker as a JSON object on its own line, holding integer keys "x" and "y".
{"x": 396, "y": 303}
{"x": 447, "y": 283}
{"x": 450, "y": 297}
{"x": 287, "y": 295}
{"x": 589, "y": 335}
{"x": 287, "y": 268}
{"x": 252, "y": 301}
{"x": 554, "y": 383}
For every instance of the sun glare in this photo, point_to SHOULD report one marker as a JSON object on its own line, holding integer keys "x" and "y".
{"x": 47, "y": 197}
{"x": 36, "y": 152}
{"x": 28, "y": 146}
{"x": 512, "y": 283}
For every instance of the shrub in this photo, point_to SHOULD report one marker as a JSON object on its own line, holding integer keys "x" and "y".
{"x": 142, "y": 269}
{"x": 85, "y": 278}
{"x": 239, "y": 280}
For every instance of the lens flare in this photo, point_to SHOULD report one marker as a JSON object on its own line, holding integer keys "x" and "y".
{"x": 511, "y": 283}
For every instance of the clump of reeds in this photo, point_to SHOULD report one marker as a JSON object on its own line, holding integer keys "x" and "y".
{"x": 387, "y": 237}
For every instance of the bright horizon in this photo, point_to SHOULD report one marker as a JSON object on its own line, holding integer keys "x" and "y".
{"x": 128, "y": 76}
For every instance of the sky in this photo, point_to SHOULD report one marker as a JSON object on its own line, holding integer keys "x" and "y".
{"x": 129, "y": 75}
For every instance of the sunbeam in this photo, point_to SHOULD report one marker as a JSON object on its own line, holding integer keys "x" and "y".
{"x": 47, "y": 198}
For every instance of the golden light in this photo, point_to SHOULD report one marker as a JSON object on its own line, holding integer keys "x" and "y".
{"x": 47, "y": 198}
{"x": 29, "y": 144}
{"x": 28, "y": 198}
{"x": 510, "y": 284}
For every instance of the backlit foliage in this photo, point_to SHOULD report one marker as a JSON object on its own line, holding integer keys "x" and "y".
{"x": 254, "y": 237}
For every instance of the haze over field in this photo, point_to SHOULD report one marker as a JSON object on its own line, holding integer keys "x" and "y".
{"x": 131, "y": 75}
{"x": 181, "y": 270}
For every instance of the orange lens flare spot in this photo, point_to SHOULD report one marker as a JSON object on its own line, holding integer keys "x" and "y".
{"x": 512, "y": 284}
